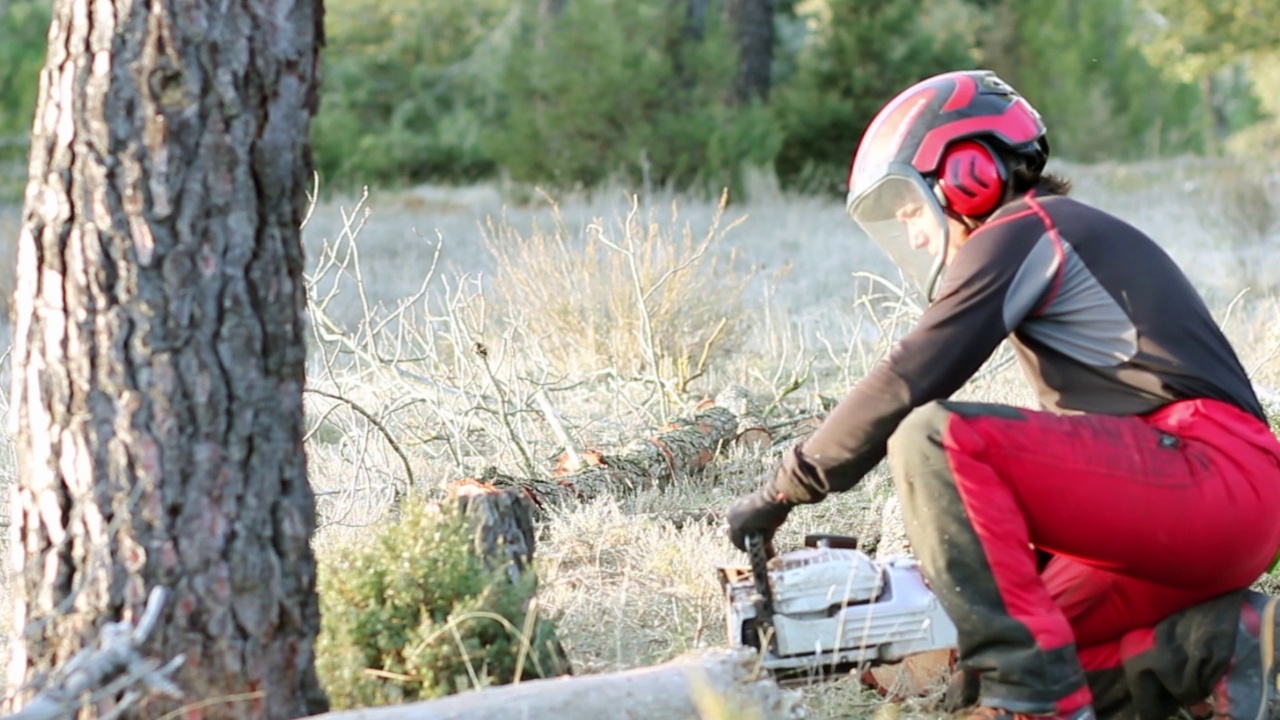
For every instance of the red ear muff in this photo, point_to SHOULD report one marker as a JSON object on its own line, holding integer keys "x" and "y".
{"x": 971, "y": 179}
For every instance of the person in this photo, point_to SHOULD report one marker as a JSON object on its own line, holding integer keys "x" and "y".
{"x": 1094, "y": 554}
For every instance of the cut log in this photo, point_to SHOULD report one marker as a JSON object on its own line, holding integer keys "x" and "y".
{"x": 926, "y": 674}
{"x": 751, "y": 429}
{"x": 649, "y": 463}
{"x": 688, "y": 687}
{"x": 893, "y": 530}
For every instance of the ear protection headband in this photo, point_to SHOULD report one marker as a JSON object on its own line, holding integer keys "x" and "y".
{"x": 971, "y": 179}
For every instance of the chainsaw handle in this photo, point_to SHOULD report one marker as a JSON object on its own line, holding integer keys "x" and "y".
{"x": 759, "y": 551}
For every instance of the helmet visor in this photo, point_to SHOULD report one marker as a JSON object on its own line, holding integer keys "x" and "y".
{"x": 902, "y": 216}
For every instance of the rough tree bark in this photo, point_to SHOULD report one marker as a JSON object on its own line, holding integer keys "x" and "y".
{"x": 752, "y": 25}
{"x": 159, "y": 346}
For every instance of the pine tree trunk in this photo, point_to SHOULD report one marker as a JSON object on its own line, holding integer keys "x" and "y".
{"x": 159, "y": 346}
{"x": 752, "y": 24}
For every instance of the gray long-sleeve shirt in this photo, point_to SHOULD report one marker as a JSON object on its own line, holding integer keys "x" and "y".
{"x": 1102, "y": 319}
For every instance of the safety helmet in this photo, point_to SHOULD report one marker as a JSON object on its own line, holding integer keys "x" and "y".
{"x": 941, "y": 147}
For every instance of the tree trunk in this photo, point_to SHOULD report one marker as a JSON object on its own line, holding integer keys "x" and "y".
{"x": 550, "y": 9}
{"x": 717, "y": 684}
{"x": 159, "y": 347}
{"x": 752, "y": 24}
{"x": 546, "y": 13}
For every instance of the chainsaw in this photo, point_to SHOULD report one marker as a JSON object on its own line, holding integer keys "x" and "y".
{"x": 827, "y": 608}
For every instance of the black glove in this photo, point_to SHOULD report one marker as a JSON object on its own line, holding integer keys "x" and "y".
{"x": 762, "y": 512}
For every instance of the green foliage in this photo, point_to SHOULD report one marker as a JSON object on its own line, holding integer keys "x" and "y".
{"x": 625, "y": 89}
{"x": 1079, "y": 64}
{"x": 23, "y": 28}
{"x": 407, "y": 87}
{"x": 415, "y": 614}
{"x": 610, "y": 89}
{"x": 866, "y": 53}
{"x": 1207, "y": 34}
{"x": 24, "y": 25}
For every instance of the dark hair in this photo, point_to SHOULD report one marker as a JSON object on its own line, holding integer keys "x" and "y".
{"x": 1026, "y": 169}
{"x": 1052, "y": 184}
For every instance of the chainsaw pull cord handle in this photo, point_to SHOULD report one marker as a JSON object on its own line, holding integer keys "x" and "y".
{"x": 758, "y": 552}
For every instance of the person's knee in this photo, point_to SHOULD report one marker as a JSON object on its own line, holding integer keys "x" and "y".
{"x": 917, "y": 442}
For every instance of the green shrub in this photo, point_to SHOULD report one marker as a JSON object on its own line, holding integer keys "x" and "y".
{"x": 1084, "y": 65}
{"x": 407, "y": 87}
{"x": 24, "y": 25}
{"x": 415, "y": 614}
{"x": 618, "y": 89}
{"x": 866, "y": 53}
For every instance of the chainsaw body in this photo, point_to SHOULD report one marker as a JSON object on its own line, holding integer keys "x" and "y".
{"x": 828, "y": 606}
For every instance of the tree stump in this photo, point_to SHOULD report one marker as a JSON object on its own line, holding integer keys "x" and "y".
{"x": 751, "y": 429}
{"x": 504, "y": 539}
{"x": 504, "y": 536}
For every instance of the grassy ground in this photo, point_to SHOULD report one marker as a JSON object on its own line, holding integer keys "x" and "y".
{"x": 609, "y": 314}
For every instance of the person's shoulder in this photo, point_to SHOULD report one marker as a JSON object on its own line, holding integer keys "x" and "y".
{"x": 1035, "y": 215}
{"x": 1019, "y": 218}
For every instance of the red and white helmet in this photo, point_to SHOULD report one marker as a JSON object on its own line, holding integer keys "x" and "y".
{"x": 936, "y": 150}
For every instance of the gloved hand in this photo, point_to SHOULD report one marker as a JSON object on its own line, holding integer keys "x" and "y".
{"x": 763, "y": 512}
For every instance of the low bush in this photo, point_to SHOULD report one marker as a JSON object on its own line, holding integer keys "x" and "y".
{"x": 414, "y": 613}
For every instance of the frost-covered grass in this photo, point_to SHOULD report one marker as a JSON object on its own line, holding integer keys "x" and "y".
{"x": 433, "y": 375}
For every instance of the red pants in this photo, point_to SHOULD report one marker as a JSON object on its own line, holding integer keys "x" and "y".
{"x": 1145, "y": 516}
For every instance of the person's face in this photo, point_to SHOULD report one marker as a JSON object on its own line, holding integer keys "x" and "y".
{"x": 922, "y": 232}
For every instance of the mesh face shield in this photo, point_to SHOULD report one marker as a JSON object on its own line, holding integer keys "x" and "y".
{"x": 902, "y": 216}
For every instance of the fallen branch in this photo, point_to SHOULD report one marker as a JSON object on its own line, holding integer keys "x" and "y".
{"x": 751, "y": 429}
{"x": 653, "y": 462}
{"x": 111, "y": 667}
{"x": 690, "y": 686}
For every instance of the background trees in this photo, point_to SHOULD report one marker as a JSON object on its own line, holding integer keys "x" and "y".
{"x": 158, "y": 346}
{"x": 688, "y": 92}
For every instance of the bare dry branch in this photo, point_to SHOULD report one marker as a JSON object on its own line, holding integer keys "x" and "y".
{"x": 115, "y": 665}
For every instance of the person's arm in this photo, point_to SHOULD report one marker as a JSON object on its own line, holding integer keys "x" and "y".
{"x": 994, "y": 282}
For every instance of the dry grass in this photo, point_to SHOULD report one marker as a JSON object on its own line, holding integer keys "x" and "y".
{"x": 548, "y": 291}
{"x": 1243, "y": 201}
{"x": 640, "y": 293}
{"x": 7, "y": 471}
{"x": 8, "y": 257}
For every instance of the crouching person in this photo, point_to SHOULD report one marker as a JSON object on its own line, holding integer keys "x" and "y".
{"x": 1149, "y": 479}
